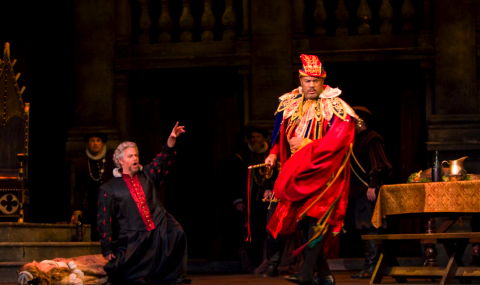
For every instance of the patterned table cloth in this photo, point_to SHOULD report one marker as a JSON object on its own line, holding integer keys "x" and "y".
{"x": 433, "y": 197}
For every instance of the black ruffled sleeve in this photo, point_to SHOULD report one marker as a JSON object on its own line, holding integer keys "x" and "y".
{"x": 161, "y": 164}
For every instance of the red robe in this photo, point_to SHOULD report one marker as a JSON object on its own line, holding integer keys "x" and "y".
{"x": 304, "y": 176}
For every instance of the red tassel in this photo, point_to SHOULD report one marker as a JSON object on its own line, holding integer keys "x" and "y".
{"x": 249, "y": 191}
{"x": 299, "y": 250}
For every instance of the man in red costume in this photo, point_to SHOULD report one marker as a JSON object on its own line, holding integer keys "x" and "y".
{"x": 312, "y": 139}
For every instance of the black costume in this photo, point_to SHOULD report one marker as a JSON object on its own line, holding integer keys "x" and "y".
{"x": 149, "y": 244}
{"x": 370, "y": 168}
{"x": 88, "y": 173}
{"x": 236, "y": 170}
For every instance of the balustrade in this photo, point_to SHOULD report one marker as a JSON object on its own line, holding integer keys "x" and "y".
{"x": 164, "y": 21}
{"x": 358, "y": 17}
{"x": 320, "y": 18}
{"x": 144, "y": 22}
{"x": 386, "y": 15}
{"x": 342, "y": 18}
{"x": 208, "y": 21}
{"x": 186, "y": 23}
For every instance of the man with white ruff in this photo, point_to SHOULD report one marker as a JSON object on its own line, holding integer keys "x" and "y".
{"x": 312, "y": 139}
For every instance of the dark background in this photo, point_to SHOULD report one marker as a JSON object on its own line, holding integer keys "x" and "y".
{"x": 209, "y": 101}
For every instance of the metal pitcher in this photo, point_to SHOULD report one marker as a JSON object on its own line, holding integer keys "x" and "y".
{"x": 455, "y": 167}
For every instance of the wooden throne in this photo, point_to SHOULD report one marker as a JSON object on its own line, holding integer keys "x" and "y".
{"x": 14, "y": 122}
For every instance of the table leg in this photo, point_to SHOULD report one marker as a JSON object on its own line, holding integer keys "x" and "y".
{"x": 430, "y": 250}
{"x": 430, "y": 253}
{"x": 379, "y": 270}
{"x": 430, "y": 225}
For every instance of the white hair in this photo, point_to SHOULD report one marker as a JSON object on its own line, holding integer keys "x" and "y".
{"x": 120, "y": 150}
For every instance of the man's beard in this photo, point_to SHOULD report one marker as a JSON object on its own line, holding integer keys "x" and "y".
{"x": 134, "y": 168}
{"x": 259, "y": 147}
{"x": 311, "y": 96}
{"x": 98, "y": 155}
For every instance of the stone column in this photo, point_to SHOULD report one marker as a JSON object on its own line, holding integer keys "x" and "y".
{"x": 271, "y": 23}
{"x": 123, "y": 21}
{"x": 93, "y": 77}
{"x": 454, "y": 117}
{"x": 455, "y": 58}
{"x": 122, "y": 103}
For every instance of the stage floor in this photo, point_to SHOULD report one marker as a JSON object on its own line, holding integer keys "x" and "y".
{"x": 342, "y": 278}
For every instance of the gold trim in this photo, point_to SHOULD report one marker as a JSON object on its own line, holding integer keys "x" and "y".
{"x": 329, "y": 183}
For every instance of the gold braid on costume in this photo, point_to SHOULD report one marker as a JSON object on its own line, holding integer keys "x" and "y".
{"x": 306, "y": 117}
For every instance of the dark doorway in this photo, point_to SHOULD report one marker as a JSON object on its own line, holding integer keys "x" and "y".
{"x": 394, "y": 91}
{"x": 209, "y": 102}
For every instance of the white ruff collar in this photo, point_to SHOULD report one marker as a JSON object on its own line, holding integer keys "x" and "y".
{"x": 116, "y": 172}
{"x": 330, "y": 92}
{"x": 99, "y": 156}
{"x": 262, "y": 150}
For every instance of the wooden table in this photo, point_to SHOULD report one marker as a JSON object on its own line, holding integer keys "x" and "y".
{"x": 434, "y": 197}
{"x": 430, "y": 198}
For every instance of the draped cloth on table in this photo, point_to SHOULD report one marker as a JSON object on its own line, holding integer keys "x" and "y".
{"x": 314, "y": 179}
{"x": 433, "y": 197}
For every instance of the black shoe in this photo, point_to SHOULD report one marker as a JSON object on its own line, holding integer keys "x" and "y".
{"x": 295, "y": 278}
{"x": 271, "y": 271}
{"x": 324, "y": 280}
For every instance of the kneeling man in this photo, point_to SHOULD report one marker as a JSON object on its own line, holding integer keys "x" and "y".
{"x": 142, "y": 242}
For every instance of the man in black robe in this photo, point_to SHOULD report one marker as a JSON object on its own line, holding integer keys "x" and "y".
{"x": 253, "y": 152}
{"x": 370, "y": 169}
{"x": 142, "y": 242}
{"x": 89, "y": 170}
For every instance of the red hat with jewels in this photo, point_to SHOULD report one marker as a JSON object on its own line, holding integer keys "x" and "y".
{"x": 311, "y": 66}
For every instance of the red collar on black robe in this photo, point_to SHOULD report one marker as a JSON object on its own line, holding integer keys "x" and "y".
{"x": 138, "y": 195}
